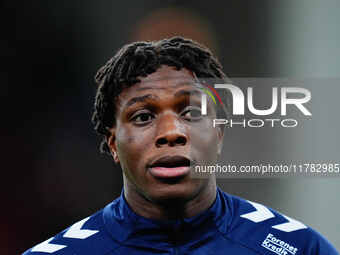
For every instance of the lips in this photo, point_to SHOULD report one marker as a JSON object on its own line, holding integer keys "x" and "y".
{"x": 170, "y": 167}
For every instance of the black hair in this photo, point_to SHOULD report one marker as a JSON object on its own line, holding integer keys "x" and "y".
{"x": 140, "y": 59}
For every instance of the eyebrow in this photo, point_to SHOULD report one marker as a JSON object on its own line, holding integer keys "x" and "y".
{"x": 187, "y": 92}
{"x": 141, "y": 99}
{"x": 183, "y": 92}
{"x": 179, "y": 84}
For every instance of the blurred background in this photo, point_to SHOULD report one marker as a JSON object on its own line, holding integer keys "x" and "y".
{"x": 53, "y": 173}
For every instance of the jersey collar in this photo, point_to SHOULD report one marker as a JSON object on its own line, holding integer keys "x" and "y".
{"x": 126, "y": 227}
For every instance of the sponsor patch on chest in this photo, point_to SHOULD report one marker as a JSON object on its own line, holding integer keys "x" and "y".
{"x": 278, "y": 246}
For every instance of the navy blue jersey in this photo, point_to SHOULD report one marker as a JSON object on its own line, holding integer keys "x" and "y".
{"x": 230, "y": 226}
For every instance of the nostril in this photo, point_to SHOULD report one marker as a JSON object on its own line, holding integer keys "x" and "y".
{"x": 161, "y": 141}
{"x": 181, "y": 140}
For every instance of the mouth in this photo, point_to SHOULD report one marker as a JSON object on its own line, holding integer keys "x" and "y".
{"x": 170, "y": 167}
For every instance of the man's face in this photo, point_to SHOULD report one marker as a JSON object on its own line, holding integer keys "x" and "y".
{"x": 160, "y": 134}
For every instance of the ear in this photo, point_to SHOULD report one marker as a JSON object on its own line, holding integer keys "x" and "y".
{"x": 112, "y": 143}
{"x": 220, "y": 136}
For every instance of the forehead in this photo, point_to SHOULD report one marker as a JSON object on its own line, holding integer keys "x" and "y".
{"x": 164, "y": 79}
{"x": 168, "y": 73}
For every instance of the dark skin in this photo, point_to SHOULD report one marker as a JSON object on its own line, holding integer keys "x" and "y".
{"x": 156, "y": 119}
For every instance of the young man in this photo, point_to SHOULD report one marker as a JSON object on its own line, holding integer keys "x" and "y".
{"x": 147, "y": 109}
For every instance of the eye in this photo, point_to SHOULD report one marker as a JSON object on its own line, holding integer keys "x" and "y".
{"x": 142, "y": 117}
{"x": 192, "y": 113}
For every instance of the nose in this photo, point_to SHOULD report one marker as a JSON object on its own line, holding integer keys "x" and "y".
{"x": 170, "y": 131}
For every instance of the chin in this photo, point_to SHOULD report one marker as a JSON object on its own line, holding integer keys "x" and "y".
{"x": 166, "y": 193}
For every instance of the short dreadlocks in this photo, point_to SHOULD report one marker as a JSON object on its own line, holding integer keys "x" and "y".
{"x": 140, "y": 59}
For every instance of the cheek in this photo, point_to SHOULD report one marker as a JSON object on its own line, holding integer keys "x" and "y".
{"x": 204, "y": 141}
{"x": 130, "y": 145}
{"x": 127, "y": 146}
{"x": 204, "y": 132}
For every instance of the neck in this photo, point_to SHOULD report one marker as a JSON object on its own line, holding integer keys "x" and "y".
{"x": 171, "y": 208}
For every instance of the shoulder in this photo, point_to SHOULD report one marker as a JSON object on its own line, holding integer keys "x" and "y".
{"x": 269, "y": 232}
{"x": 87, "y": 236}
